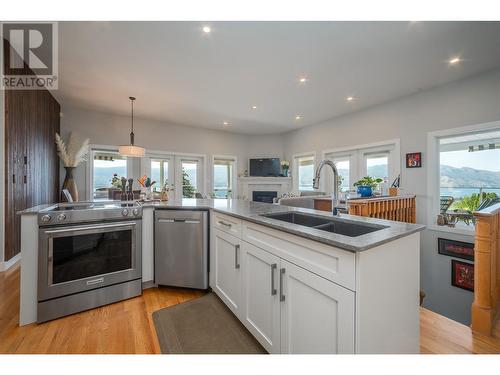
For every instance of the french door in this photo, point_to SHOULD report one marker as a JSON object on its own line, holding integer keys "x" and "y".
{"x": 189, "y": 176}
{"x": 183, "y": 173}
{"x": 161, "y": 168}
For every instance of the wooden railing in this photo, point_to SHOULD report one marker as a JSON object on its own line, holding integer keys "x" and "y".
{"x": 486, "y": 269}
{"x": 397, "y": 208}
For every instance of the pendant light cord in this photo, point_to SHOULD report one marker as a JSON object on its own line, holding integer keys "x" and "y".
{"x": 132, "y": 135}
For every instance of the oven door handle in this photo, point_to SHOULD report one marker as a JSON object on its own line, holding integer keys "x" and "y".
{"x": 93, "y": 227}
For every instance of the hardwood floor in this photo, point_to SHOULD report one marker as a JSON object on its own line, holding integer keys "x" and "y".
{"x": 121, "y": 328}
{"x": 440, "y": 335}
{"x": 127, "y": 327}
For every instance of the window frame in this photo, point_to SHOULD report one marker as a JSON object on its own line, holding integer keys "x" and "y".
{"x": 295, "y": 167}
{"x": 234, "y": 178}
{"x": 358, "y": 155}
{"x": 90, "y": 166}
{"x": 433, "y": 171}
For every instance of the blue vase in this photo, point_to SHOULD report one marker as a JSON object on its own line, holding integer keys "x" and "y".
{"x": 365, "y": 191}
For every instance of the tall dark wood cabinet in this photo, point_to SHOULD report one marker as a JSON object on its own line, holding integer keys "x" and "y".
{"x": 32, "y": 117}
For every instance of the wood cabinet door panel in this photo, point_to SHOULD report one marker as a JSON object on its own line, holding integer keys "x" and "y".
{"x": 31, "y": 161}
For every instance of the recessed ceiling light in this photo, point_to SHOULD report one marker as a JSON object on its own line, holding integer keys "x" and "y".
{"x": 298, "y": 117}
{"x": 254, "y": 107}
{"x": 225, "y": 123}
{"x": 454, "y": 60}
{"x": 302, "y": 79}
{"x": 350, "y": 98}
{"x": 206, "y": 29}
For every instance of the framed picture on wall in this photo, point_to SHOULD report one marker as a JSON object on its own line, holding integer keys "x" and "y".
{"x": 414, "y": 160}
{"x": 457, "y": 249}
{"x": 462, "y": 275}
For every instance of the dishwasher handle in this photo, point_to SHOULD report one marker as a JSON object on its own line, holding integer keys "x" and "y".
{"x": 186, "y": 221}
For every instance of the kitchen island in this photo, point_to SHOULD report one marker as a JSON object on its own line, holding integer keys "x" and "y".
{"x": 297, "y": 289}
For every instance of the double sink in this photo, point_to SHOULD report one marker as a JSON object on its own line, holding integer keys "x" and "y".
{"x": 336, "y": 225}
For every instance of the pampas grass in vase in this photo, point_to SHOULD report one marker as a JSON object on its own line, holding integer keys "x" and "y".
{"x": 71, "y": 155}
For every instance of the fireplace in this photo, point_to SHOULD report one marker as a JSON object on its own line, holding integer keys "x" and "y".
{"x": 264, "y": 196}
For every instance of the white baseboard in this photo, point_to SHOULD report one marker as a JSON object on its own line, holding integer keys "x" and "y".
{"x": 4, "y": 266}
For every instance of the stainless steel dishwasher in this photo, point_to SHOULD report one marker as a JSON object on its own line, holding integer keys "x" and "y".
{"x": 181, "y": 248}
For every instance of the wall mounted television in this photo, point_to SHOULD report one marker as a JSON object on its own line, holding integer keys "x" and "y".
{"x": 265, "y": 167}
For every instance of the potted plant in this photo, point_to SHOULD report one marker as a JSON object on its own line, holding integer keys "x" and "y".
{"x": 366, "y": 185}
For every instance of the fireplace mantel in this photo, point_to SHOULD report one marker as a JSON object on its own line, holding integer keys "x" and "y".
{"x": 247, "y": 185}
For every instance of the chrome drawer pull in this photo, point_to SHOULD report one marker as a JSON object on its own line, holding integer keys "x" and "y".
{"x": 273, "y": 288}
{"x": 225, "y": 224}
{"x": 236, "y": 262}
{"x": 282, "y": 295}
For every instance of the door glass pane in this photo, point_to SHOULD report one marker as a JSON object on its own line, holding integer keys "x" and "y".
{"x": 80, "y": 256}
{"x": 377, "y": 166}
{"x": 223, "y": 176}
{"x": 189, "y": 183}
{"x": 107, "y": 169}
{"x": 305, "y": 172}
{"x": 159, "y": 173}
{"x": 343, "y": 169}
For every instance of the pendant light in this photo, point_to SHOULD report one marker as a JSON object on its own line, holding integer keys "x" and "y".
{"x": 132, "y": 150}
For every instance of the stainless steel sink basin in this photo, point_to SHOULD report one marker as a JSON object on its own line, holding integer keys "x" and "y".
{"x": 298, "y": 218}
{"x": 334, "y": 225}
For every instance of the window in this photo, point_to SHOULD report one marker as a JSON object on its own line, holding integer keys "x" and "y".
{"x": 377, "y": 165}
{"x": 304, "y": 170}
{"x": 159, "y": 173}
{"x": 105, "y": 166}
{"x": 343, "y": 169}
{"x": 223, "y": 178}
{"x": 189, "y": 178}
{"x": 374, "y": 160}
{"x": 469, "y": 175}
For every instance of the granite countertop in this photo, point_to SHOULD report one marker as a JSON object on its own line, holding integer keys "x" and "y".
{"x": 252, "y": 211}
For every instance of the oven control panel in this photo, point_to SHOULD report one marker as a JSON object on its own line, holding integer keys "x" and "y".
{"x": 82, "y": 212}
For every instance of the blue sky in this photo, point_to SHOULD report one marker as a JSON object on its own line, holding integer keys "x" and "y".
{"x": 488, "y": 160}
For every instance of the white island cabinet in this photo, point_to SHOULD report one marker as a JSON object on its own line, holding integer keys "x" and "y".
{"x": 226, "y": 256}
{"x": 296, "y": 295}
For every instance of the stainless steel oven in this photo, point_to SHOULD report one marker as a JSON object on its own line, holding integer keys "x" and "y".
{"x": 85, "y": 265}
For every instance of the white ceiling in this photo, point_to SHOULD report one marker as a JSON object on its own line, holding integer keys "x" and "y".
{"x": 181, "y": 75}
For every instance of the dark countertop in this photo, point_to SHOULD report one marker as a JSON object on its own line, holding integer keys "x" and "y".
{"x": 252, "y": 211}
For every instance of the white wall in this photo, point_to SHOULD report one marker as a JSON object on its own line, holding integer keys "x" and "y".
{"x": 109, "y": 129}
{"x": 471, "y": 101}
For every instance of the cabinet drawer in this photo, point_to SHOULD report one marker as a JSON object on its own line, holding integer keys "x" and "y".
{"x": 329, "y": 262}
{"x": 227, "y": 224}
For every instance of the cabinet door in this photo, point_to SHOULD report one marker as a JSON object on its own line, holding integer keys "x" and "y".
{"x": 260, "y": 305}
{"x": 317, "y": 315}
{"x": 227, "y": 252}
